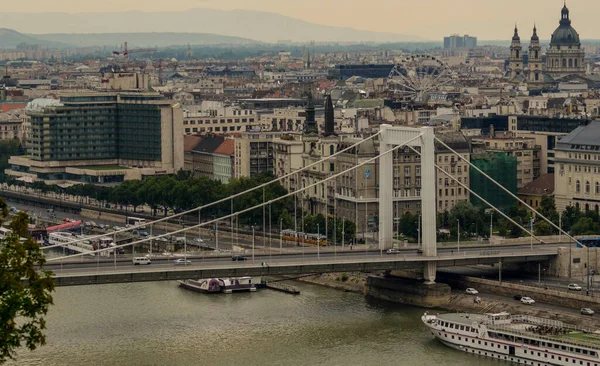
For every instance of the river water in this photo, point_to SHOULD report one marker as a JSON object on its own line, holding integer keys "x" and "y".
{"x": 161, "y": 324}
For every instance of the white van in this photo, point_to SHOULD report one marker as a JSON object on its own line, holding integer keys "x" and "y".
{"x": 141, "y": 260}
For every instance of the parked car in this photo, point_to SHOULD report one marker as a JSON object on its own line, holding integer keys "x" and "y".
{"x": 518, "y": 297}
{"x": 50, "y": 210}
{"x": 392, "y": 251}
{"x": 527, "y": 300}
{"x": 13, "y": 209}
{"x": 116, "y": 228}
{"x": 182, "y": 261}
{"x": 144, "y": 233}
{"x": 237, "y": 258}
{"x": 180, "y": 240}
{"x": 198, "y": 240}
{"x": 574, "y": 287}
{"x": 587, "y": 311}
{"x": 471, "y": 291}
{"x": 419, "y": 251}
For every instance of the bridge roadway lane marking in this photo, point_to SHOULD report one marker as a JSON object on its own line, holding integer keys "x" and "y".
{"x": 168, "y": 267}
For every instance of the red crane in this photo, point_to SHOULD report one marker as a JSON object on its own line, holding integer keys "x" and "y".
{"x": 126, "y": 52}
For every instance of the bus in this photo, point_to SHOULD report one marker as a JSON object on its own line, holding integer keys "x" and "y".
{"x": 589, "y": 243}
{"x": 135, "y": 221}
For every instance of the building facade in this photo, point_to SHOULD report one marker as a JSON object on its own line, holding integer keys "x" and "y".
{"x": 577, "y": 179}
{"x": 102, "y": 138}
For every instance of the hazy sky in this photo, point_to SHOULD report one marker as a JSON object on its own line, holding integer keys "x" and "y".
{"x": 486, "y": 19}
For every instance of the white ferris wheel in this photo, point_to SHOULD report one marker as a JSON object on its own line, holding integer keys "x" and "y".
{"x": 416, "y": 77}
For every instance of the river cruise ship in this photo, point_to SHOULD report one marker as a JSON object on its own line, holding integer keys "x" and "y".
{"x": 519, "y": 339}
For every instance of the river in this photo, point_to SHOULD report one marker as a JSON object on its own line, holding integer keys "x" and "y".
{"x": 161, "y": 324}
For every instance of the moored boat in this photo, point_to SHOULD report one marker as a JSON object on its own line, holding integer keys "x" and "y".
{"x": 214, "y": 285}
{"x": 516, "y": 338}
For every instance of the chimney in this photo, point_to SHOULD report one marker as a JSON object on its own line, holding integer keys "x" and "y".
{"x": 329, "y": 117}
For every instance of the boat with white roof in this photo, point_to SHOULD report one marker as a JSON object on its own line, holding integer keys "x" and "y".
{"x": 519, "y": 339}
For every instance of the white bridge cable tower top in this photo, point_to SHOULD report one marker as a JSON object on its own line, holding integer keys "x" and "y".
{"x": 289, "y": 194}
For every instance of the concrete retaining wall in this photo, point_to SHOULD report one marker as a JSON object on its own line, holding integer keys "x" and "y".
{"x": 540, "y": 294}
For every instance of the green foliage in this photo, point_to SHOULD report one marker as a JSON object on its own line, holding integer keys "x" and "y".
{"x": 344, "y": 277}
{"x": 585, "y": 226}
{"x": 472, "y": 221}
{"x": 7, "y": 149}
{"x": 25, "y": 289}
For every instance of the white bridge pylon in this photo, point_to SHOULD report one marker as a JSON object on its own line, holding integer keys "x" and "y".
{"x": 424, "y": 139}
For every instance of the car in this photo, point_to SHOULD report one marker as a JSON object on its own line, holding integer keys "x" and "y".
{"x": 13, "y": 210}
{"x": 116, "y": 228}
{"x": 518, "y": 297}
{"x": 50, "y": 210}
{"x": 527, "y": 300}
{"x": 471, "y": 291}
{"x": 587, "y": 311}
{"x": 574, "y": 287}
{"x": 198, "y": 240}
{"x": 237, "y": 258}
{"x": 419, "y": 251}
{"x": 182, "y": 261}
{"x": 180, "y": 240}
{"x": 392, "y": 251}
{"x": 144, "y": 233}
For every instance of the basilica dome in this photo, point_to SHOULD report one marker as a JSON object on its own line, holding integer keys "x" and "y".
{"x": 565, "y": 35}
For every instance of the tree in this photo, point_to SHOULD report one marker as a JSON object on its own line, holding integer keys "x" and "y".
{"x": 585, "y": 226}
{"x": 25, "y": 289}
{"x": 542, "y": 228}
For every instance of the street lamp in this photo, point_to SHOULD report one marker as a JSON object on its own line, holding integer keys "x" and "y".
{"x": 458, "y": 234}
{"x": 253, "y": 242}
{"x": 280, "y": 235}
{"x": 531, "y": 233}
{"x": 318, "y": 242}
{"x": 491, "y": 225}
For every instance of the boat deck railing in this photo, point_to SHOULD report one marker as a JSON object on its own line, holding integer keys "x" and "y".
{"x": 552, "y": 325}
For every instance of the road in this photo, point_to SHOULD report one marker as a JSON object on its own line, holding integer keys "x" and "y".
{"x": 82, "y": 265}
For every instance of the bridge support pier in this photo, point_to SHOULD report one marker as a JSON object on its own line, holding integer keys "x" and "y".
{"x": 429, "y": 272}
{"x": 408, "y": 291}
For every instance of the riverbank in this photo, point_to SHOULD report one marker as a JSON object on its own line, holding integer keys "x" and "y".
{"x": 356, "y": 282}
{"x": 348, "y": 282}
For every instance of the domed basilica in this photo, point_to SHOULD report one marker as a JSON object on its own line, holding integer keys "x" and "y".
{"x": 564, "y": 55}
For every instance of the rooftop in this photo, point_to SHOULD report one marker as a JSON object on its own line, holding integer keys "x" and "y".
{"x": 582, "y": 138}
{"x": 543, "y": 185}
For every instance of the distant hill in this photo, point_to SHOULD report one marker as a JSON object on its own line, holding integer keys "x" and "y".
{"x": 260, "y": 26}
{"x": 143, "y": 39}
{"x": 10, "y": 39}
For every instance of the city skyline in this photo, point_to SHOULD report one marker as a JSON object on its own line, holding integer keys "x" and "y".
{"x": 493, "y": 21}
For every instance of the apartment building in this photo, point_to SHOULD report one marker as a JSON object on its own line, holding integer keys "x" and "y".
{"x": 11, "y": 127}
{"x": 288, "y": 150}
{"x": 577, "y": 178}
{"x": 218, "y": 120}
{"x": 525, "y": 149}
{"x": 449, "y": 192}
{"x": 254, "y": 153}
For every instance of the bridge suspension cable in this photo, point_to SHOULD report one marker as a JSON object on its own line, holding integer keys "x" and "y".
{"x": 137, "y": 227}
{"x": 510, "y": 193}
{"x": 481, "y": 198}
{"x": 289, "y": 194}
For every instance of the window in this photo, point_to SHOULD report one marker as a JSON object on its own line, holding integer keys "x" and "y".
{"x": 577, "y": 187}
{"x": 587, "y": 187}
{"x": 597, "y": 190}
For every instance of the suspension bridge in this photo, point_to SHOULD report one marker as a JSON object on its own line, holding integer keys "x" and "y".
{"x": 75, "y": 270}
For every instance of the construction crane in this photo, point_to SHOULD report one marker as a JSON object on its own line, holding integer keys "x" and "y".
{"x": 126, "y": 52}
